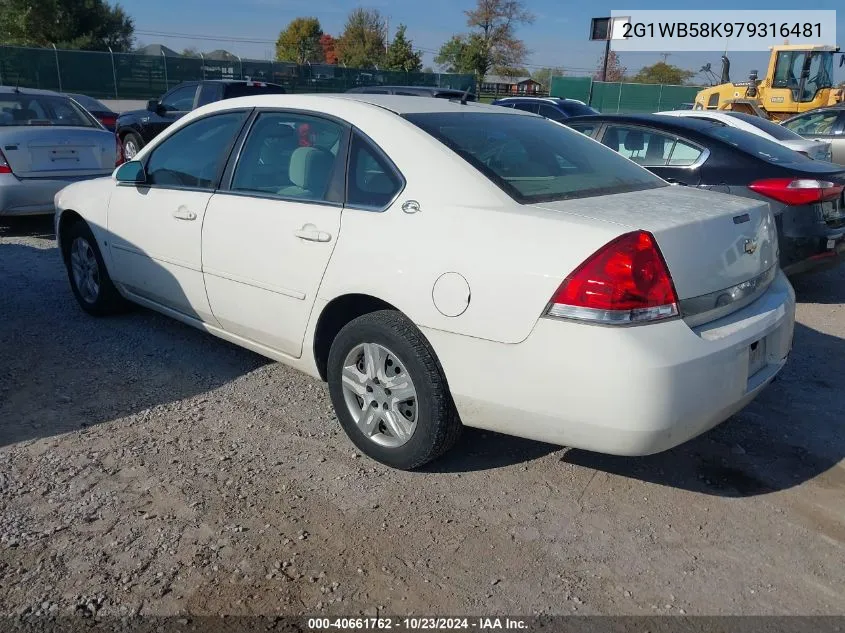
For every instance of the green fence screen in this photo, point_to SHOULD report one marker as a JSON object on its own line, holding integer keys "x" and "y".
{"x": 616, "y": 97}
{"x": 131, "y": 76}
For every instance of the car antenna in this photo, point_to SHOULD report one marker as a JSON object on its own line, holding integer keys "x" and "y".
{"x": 17, "y": 89}
{"x": 465, "y": 96}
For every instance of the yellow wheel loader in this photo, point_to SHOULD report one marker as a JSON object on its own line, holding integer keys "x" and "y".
{"x": 799, "y": 78}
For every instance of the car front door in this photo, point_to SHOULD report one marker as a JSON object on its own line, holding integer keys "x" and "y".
{"x": 271, "y": 229}
{"x": 674, "y": 159}
{"x": 822, "y": 125}
{"x": 173, "y": 106}
{"x": 156, "y": 226}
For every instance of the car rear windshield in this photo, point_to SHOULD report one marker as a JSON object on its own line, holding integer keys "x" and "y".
{"x": 245, "y": 90}
{"x": 28, "y": 109}
{"x": 772, "y": 129}
{"x": 573, "y": 108}
{"x": 755, "y": 145}
{"x": 533, "y": 159}
{"x": 90, "y": 104}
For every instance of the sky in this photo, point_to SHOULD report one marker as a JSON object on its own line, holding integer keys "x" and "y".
{"x": 557, "y": 38}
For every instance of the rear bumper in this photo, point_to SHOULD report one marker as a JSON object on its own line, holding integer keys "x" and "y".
{"x": 806, "y": 242}
{"x": 623, "y": 391}
{"x": 33, "y": 196}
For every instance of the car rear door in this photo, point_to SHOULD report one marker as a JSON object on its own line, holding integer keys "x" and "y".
{"x": 270, "y": 230}
{"x": 156, "y": 227}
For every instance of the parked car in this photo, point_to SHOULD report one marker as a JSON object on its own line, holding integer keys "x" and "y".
{"x": 46, "y": 142}
{"x": 412, "y": 91}
{"x": 822, "y": 124}
{"x": 105, "y": 115}
{"x": 549, "y": 107}
{"x": 805, "y": 194}
{"x": 584, "y": 302}
{"x": 138, "y": 127}
{"x": 818, "y": 150}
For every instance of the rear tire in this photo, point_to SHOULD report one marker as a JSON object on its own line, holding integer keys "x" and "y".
{"x": 389, "y": 391}
{"x": 89, "y": 279}
{"x": 132, "y": 144}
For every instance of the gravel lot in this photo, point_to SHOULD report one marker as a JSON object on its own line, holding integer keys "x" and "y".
{"x": 148, "y": 468}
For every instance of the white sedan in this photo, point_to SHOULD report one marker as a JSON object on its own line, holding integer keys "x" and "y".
{"x": 442, "y": 264}
{"x": 817, "y": 150}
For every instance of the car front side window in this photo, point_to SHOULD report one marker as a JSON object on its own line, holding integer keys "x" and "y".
{"x": 193, "y": 156}
{"x": 180, "y": 100}
{"x": 289, "y": 155}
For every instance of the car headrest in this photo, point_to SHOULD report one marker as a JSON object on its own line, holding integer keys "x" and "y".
{"x": 634, "y": 141}
{"x": 310, "y": 168}
{"x": 611, "y": 139}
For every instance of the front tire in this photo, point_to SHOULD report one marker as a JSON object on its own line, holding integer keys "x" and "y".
{"x": 89, "y": 279}
{"x": 132, "y": 144}
{"x": 389, "y": 391}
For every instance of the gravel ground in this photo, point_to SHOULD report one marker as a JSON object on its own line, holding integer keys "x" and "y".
{"x": 148, "y": 468}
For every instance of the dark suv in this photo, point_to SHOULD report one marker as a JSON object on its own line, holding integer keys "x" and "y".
{"x": 413, "y": 91}
{"x": 139, "y": 127}
{"x": 552, "y": 108}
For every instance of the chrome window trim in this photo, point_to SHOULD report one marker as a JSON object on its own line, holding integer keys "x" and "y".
{"x": 705, "y": 308}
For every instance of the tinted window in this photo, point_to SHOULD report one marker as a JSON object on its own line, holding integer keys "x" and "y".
{"x": 532, "y": 159}
{"x": 527, "y": 107}
{"x": 180, "y": 100}
{"x": 642, "y": 146}
{"x": 89, "y": 103}
{"x": 584, "y": 128}
{"x": 289, "y": 155}
{"x": 372, "y": 180}
{"x": 193, "y": 155}
{"x": 32, "y": 109}
{"x": 713, "y": 101}
{"x": 573, "y": 108}
{"x": 757, "y": 146}
{"x": 551, "y": 113}
{"x": 684, "y": 154}
{"x": 246, "y": 89}
{"x": 779, "y": 132}
{"x": 209, "y": 93}
{"x": 814, "y": 123}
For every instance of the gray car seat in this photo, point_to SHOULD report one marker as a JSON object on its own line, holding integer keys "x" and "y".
{"x": 310, "y": 172}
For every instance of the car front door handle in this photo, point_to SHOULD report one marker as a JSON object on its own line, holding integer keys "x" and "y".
{"x": 310, "y": 233}
{"x": 184, "y": 213}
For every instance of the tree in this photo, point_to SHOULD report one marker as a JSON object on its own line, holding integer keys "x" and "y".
{"x": 615, "y": 70}
{"x": 401, "y": 54}
{"x": 191, "y": 51}
{"x": 428, "y": 70}
{"x": 300, "y": 41}
{"x": 662, "y": 73}
{"x": 89, "y": 25}
{"x": 329, "y": 46}
{"x": 363, "y": 41}
{"x": 491, "y": 42}
{"x": 543, "y": 76}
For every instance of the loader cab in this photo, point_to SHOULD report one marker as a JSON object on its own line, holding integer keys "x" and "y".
{"x": 803, "y": 72}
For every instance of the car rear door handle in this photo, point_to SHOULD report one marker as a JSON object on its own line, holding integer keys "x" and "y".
{"x": 183, "y": 213}
{"x": 310, "y": 233}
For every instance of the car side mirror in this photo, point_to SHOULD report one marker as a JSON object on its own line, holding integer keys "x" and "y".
{"x": 131, "y": 172}
{"x": 153, "y": 105}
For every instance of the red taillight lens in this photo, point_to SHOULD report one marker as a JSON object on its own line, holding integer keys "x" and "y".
{"x": 626, "y": 281}
{"x": 797, "y": 191}
{"x": 119, "y": 158}
{"x": 108, "y": 120}
{"x": 4, "y": 166}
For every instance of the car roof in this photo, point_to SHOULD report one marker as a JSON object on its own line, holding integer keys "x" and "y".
{"x": 29, "y": 91}
{"x": 547, "y": 99}
{"x": 653, "y": 120}
{"x": 399, "y": 104}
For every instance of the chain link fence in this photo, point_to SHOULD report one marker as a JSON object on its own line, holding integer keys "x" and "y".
{"x": 620, "y": 97}
{"x": 131, "y": 76}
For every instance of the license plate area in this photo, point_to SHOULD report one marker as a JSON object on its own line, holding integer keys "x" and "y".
{"x": 756, "y": 357}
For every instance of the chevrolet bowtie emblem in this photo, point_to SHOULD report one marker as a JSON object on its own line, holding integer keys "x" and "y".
{"x": 750, "y": 246}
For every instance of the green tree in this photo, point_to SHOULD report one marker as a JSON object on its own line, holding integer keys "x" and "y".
{"x": 88, "y": 25}
{"x": 191, "y": 51}
{"x": 300, "y": 41}
{"x": 662, "y": 73}
{"x": 491, "y": 42}
{"x": 401, "y": 54}
{"x": 363, "y": 41}
{"x": 615, "y": 70}
{"x": 543, "y": 76}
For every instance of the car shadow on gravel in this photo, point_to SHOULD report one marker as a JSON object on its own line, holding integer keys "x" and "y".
{"x": 793, "y": 432}
{"x": 62, "y": 370}
{"x": 40, "y": 226}
{"x": 825, "y": 287}
{"x": 486, "y": 450}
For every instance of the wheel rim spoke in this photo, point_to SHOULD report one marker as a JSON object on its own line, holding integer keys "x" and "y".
{"x": 373, "y": 360}
{"x": 355, "y": 381}
{"x": 368, "y": 422}
{"x": 396, "y": 425}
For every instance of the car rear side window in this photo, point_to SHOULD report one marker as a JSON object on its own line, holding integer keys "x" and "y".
{"x": 572, "y": 108}
{"x": 684, "y": 154}
{"x": 527, "y": 107}
{"x": 193, "y": 156}
{"x": 532, "y": 159}
{"x": 584, "y": 128}
{"x": 253, "y": 88}
{"x": 372, "y": 181}
{"x": 551, "y": 113}
{"x": 644, "y": 147}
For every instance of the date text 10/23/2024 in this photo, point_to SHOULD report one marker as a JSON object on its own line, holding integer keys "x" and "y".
{"x": 418, "y": 624}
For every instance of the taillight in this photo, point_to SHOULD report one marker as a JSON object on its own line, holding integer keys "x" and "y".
{"x": 626, "y": 281}
{"x": 108, "y": 120}
{"x": 797, "y": 191}
{"x": 4, "y": 165}
{"x": 119, "y": 158}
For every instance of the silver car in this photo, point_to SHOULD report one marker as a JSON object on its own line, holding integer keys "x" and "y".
{"x": 47, "y": 141}
{"x": 822, "y": 124}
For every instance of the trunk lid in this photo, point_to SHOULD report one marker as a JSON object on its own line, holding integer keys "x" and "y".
{"x": 57, "y": 152}
{"x": 710, "y": 241}
{"x": 817, "y": 150}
